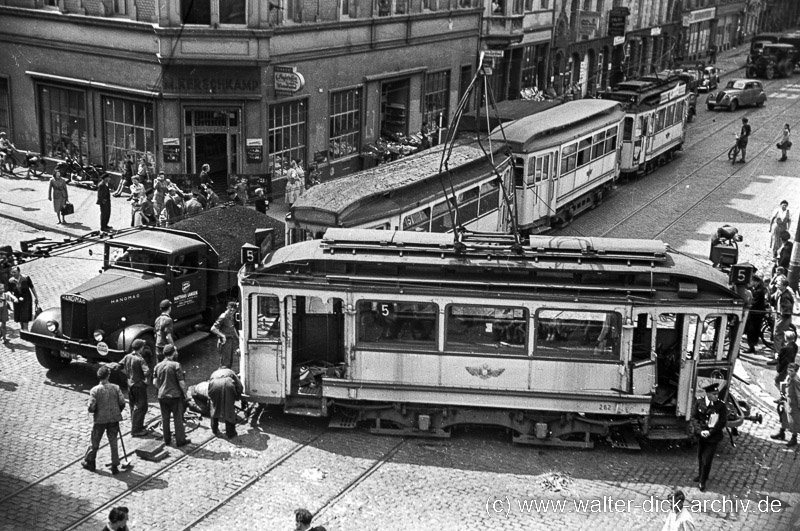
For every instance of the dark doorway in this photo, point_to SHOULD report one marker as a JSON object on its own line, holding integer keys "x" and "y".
{"x": 212, "y": 149}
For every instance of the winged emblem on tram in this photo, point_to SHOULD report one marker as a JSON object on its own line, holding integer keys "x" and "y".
{"x": 484, "y": 372}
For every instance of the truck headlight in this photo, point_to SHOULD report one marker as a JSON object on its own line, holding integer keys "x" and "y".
{"x": 52, "y": 326}
{"x": 98, "y": 335}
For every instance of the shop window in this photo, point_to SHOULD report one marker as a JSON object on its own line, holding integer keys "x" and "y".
{"x": 5, "y": 105}
{"x": 574, "y": 334}
{"x": 345, "y": 123}
{"x": 287, "y": 135}
{"x": 397, "y": 324}
{"x": 63, "y": 122}
{"x": 128, "y": 130}
{"x": 214, "y": 12}
{"x": 529, "y": 66}
{"x": 486, "y": 329}
{"x": 265, "y": 317}
{"x": 437, "y": 99}
{"x": 394, "y": 109}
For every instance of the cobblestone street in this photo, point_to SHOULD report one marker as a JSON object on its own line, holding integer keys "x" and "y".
{"x": 352, "y": 479}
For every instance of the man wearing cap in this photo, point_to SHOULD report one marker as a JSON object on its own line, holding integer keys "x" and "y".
{"x": 137, "y": 371}
{"x": 164, "y": 325}
{"x": 173, "y": 205}
{"x": 193, "y": 205}
{"x": 711, "y": 415}
{"x": 225, "y": 329}
{"x": 104, "y": 200}
{"x": 146, "y": 215}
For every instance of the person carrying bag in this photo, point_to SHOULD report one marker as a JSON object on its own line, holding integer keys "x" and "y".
{"x": 785, "y": 143}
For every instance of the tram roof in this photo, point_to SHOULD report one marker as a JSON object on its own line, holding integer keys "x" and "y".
{"x": 403, "y": 177}
{"x": 557, "y": 253}
{"x": 559, "y": 124}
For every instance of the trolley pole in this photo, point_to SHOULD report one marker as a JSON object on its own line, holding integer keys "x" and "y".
{"x": 794, "y": 262}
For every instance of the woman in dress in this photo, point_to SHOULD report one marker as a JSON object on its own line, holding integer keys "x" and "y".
{"x": 58, "y": 194}
{"x": 780, "y": 221}
{"x": 23, "y": 290}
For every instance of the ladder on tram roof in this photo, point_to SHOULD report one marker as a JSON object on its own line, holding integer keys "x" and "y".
{"x": 494, "y": 245}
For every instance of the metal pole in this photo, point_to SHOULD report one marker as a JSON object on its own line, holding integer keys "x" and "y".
{"x": 794, "y": 262}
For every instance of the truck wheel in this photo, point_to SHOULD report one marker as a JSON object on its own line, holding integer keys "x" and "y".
{"x": 49, "y": 360}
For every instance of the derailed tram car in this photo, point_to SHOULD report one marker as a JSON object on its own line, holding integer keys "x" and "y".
{"x": 565, "y": 160}
{"x": 656, "y": 111}
{"x": 556, "y": 339}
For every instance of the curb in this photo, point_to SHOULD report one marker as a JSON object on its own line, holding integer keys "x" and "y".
{"x": 39, "y": 226}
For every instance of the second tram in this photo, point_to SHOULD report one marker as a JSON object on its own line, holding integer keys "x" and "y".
{"x": 556, "y": 339}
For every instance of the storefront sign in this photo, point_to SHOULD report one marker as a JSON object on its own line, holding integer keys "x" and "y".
{"x": 617, "y": 19}
{"x": 701, "y": 14}
{"x": 654, "y": 32}
{"x": 211, "y": 80}
{"x": 255, "y": 150}
{"x": 172, "y": 149}
{"x": 618, "y": 41}
{"x": 590, "y": 22}
{"x": 288, "y": 80}
{"x": 494, "y": 54}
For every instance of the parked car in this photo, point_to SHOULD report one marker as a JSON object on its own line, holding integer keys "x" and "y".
{"x": 775, "y": 59}
{"x": 737, "y": 93}
{"x": 710, "y": 79}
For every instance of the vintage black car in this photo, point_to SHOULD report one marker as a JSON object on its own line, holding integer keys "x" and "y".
{"x": 737, "y": 93}
{"x": 775, "y": 59}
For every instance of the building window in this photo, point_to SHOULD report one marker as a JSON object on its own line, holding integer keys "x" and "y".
{"x": 528, "y": 5}
{"x": 63, "y": 122}
{"x": 208, "y": 12}
{"x": 346, "y": 8}
{"x": 437, "y": 99}
{"x": 5, "y": 105}
{"x": 120, "y": 7}
{"x": 128, "y": 130}
{"x": 545, "y": 4}
{"x": 384, "y": 8}
{"x": 466, "y": 79}
{"x": 287, "y": 135}
{"x": 345, "y": 123}
{"x": 529, "y": 67}
{"x": 517, "y": 7}
{"x": 51, "y": 3}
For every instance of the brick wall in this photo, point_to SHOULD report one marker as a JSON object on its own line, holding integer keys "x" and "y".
{"x": 146, "y": 11}
{"x": 74, "y": 6}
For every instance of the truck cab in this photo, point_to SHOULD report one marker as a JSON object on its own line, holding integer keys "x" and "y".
{"x": 99, "y": 319}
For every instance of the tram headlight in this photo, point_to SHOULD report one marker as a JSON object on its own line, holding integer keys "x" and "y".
{"x": 52, "y": 326}
{"x": 99, "y": 334}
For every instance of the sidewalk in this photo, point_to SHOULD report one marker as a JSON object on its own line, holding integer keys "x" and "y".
{"x": 24, "y": 200}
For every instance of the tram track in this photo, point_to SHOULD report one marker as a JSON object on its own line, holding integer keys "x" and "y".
{"x": 694, "y": 173}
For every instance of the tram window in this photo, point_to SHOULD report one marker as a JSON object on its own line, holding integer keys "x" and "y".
{"x": 583, "y": 151}
{"x": 519, "y": 172}
{"x": 576, "y": 334}
{"x": 410, "y": 324}
{"x": 265, "y": 312}
{"x": 611, "y": 140}
{"x": 627, "y": 129}
{"x": 489, "y": 198}
{"x": 486, "y": 329}
{"x": 568, "y": 157}
{"x": 709, "y": 338}
{"x": 732, "y": 328}
{"x": 544, "y": 167}
{"x": 598, "y": 143}
{"x": 418, "y": 221}
{"x": 679, "y": 108}
{"x": 468, "y": 206}
{"x": 662, "y": 113}
{"x": 670, "y": 115}
{"x": 441, "y": 220}
{"x": 642, "y": 337}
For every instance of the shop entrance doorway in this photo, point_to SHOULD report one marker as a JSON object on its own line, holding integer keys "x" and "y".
{"x": 212, "y": 137}
{"x": 394, "y": 108}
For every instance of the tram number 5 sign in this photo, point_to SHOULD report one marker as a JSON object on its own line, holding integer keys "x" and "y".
{"x": 251, "y": 254}
{"x": 741, "y": 274}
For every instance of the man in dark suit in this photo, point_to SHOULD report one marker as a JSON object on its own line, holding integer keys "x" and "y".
{"x": 711, "y": 415}
{"x": 785, "y": 251}
{"x": 104, "y": 200}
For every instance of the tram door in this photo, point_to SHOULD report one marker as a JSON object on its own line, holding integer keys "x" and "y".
{"x": 688, "y": 365}
{"x": 543, "y": 185}
{"x": 264, "y": 362}
{"x": 317, "y": 339}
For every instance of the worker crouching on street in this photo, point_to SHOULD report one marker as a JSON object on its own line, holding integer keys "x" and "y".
{"x": 224, "y": 389}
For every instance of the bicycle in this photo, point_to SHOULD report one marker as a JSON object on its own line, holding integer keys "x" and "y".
{"x": 734, "y": 151}
{"x": 768, "y": 325}
{"x": 34, "y": 162}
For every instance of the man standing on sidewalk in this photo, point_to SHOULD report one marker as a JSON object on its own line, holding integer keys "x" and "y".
{"x": 744, "y": 137}
{"x": 163, "y": 326}
{"x": 104, "y": 200}
{"x": 106, "y": 404}
{"x": 137, "y": 371}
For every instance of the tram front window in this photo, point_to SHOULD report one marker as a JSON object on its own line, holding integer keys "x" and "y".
{"x": 383, "y": 323}
{"x": 487, "y": 329}
{"x": 709, "y": 340}
{"x": 265, "y": 313}
{"x": 578, "y": 334}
